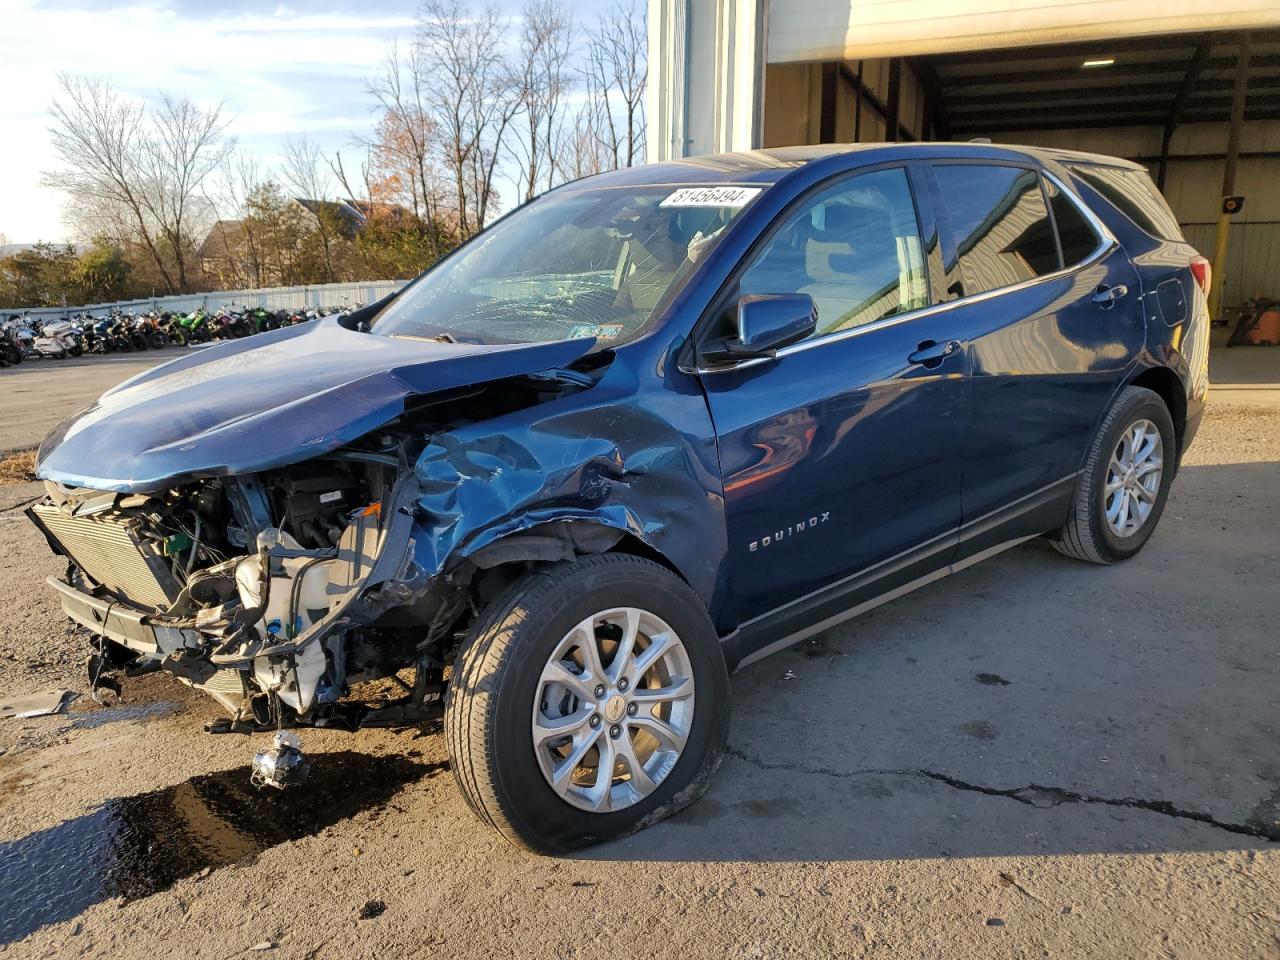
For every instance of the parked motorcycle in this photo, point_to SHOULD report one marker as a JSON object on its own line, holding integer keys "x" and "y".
{"x": 63, "y": 331}
{"x": 121, "y": 334}
{"x": 10, "y": 347}
{"x": 196, "y": 327}
{"x": 139, "y": 333}
{"x": 157, "y": 336}
{"x": 168, "y": 324}
{"x": 35, "y": 345}
{"x": 97, "y": 336}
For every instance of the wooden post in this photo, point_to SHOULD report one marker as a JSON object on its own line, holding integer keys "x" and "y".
{"x": 827, "y": 115}
{"x": 893, "y": 121}
{"x": 1238, "y": 94}
{"x": 857, "y": 107}
{"x": 1189, "y": 79}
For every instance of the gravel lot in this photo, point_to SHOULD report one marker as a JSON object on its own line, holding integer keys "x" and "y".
{"x": 1032, "y": 758}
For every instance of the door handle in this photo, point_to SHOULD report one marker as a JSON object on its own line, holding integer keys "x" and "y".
{"x": 1106, "y": 296}
{"x": 930, "y": 353}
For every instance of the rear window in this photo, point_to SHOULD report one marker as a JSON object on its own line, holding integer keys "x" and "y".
{"x": 1134, "y": 195}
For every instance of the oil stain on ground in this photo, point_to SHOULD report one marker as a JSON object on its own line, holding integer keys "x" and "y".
{"x": 132, "y": 847}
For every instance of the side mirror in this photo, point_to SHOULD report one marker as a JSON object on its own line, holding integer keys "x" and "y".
{"x": 766, "y": 323}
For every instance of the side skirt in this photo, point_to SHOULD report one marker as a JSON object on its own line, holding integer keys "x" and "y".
{"x": 894, "y": 594}
{"x": 973, "y": 542}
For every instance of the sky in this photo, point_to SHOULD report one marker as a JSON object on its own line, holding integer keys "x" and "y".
{"x": 278, "y": 70}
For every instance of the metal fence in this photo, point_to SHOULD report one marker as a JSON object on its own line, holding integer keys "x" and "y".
{"x": 271, "y": 298}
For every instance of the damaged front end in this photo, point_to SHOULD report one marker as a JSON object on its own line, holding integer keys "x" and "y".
{"x": 269, "y": 592}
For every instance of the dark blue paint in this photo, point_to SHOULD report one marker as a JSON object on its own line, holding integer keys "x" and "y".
{"x": 894, "y": 454}
{"x": 848, "y": 435}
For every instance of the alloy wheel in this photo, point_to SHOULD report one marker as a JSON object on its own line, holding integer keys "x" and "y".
{"x": 1133, "y": 478}
{"x": 613, "y": 709}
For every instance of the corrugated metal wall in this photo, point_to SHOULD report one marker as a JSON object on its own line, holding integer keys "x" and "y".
{"x": 271, "y": 298}
{"x": 793, "y": 103}
{"x": 1253, "y": 258}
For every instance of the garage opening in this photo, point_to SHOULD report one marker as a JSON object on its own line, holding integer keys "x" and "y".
{"x": 1164, "y": 101}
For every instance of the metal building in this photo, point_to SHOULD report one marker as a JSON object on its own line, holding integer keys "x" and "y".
{"x": 1150, "y": 80}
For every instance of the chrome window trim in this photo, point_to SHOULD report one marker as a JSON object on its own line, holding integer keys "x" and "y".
{"x": 1106, "y": 244}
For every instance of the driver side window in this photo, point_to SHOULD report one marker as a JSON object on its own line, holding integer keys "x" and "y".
{"x": 853, "y": 247}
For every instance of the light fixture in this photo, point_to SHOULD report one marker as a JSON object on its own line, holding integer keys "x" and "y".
{"x": 1103, "y": 62}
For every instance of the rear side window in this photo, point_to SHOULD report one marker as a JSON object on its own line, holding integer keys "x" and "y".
{"x": 1000, "y": 224}
{"x": 1075, "y": 232}
{"x": 1134, "y": 195}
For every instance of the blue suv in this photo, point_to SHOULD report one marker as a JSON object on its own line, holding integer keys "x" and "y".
{"x": 644, "y": 430}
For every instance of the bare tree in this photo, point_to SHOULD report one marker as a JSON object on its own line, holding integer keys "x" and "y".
{"x": 583, "y": 150}
{"x": 139, "y": 169}
{"x": 616, "y": 72}
{"x": 406, "y": 138}
{"x": 100, "y": 138}
{"x": 184, "y": 146}
{"x": 540, "y": 80}
{"x": 469, "y": 94}
{"x": 240, "y": 237}
{"x": 339, "y": 170}
{"x": 306, "y": 171}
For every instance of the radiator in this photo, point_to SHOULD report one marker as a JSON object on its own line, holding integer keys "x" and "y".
{"x": 107, "y": 547}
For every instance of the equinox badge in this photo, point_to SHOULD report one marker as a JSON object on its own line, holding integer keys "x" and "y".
{"x": 790, "y": 530}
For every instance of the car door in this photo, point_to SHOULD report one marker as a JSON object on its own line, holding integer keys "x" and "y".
{"x": 841, "y": 457}
{"x": 1050, "y": 308}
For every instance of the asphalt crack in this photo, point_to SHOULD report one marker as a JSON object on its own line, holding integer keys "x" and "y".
{"x": 1033, "y": 795}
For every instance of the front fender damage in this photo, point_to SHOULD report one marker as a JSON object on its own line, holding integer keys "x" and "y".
{"x": 562, "y": 485}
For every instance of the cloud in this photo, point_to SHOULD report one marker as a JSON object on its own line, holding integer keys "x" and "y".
{"x": 276, "y": 71}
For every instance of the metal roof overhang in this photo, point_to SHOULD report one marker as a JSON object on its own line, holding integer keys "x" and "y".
{"x": 1155, "y": 80}
{"x": 824, "y": 30}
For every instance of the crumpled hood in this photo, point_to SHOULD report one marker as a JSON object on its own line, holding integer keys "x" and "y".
{"x": 266, "y": 401}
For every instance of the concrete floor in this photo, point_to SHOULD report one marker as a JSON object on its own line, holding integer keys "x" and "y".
{"x": 1035, "y": 757}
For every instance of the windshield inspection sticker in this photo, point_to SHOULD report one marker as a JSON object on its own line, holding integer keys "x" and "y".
{"x": 711, "y": 197}
{"x": 601, "y": 331}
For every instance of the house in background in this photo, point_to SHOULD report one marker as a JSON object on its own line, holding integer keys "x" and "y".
{"x": 242, "y": 253}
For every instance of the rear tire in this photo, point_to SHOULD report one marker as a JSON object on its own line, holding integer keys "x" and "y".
{"x": 1103, "y": 526}
{"x": 500, "y": 683}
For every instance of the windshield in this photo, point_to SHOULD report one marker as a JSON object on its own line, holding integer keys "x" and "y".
{"x": 574, "y": 263}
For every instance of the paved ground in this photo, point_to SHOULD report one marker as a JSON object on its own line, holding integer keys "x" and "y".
{"x": 1033, "y": 758}
{"x": 38, "y": 394}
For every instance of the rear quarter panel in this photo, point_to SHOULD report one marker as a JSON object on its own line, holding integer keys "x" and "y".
{"x": 1175, "y": 309}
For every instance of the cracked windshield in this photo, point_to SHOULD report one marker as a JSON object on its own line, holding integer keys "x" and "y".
{"x": 580, "y": 263}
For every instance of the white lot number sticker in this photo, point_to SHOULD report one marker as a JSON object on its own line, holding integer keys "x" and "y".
{"x": 711, "y": 197}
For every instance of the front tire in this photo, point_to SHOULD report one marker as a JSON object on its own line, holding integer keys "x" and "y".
{"x": 607, "y": 663}
{"x": 1122, "y": 490}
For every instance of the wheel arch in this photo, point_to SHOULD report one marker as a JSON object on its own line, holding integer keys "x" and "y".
{"x": 1164, "y": 382}
{"x": 555, "y": 540}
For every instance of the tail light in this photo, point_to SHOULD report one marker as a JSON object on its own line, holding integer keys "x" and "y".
{"x": 1201, "y": 270}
